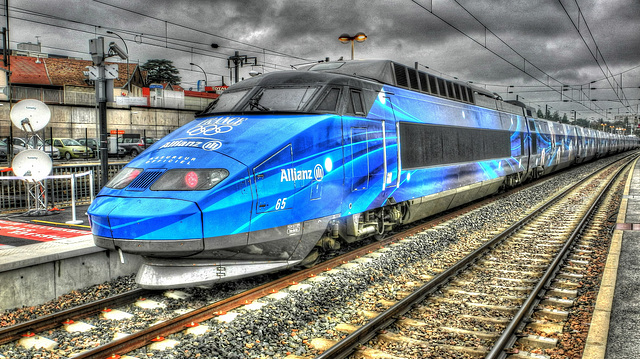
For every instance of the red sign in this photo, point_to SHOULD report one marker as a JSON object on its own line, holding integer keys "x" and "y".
{"x": 37, "y": 232}
{"x": 117, "y": 132}
{"x": 220, "y": 88}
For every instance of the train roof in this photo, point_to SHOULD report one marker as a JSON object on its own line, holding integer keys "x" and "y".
{"x": 368, "y": 73}
{"x": 293, "y": 77}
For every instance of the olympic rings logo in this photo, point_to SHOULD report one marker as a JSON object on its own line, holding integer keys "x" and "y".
{"x": 209, "y": 130}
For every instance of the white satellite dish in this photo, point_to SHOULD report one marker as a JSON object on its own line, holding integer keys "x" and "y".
{"x": 32, "y": 165}
{"x": 30, "y": 115}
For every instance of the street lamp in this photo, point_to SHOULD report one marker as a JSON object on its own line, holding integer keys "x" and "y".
{"x": 127, "y": 50}
{"x": 205, "y": 74}
{"x": 345, "y": 38}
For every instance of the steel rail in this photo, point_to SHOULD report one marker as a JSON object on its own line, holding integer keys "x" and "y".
{"x": 140, "y": 339}
{"x": 508, "y": 337}
{"x": 366, "y": 332}
{"x": 137, "y": 340}
{"x": 54, "y": 320}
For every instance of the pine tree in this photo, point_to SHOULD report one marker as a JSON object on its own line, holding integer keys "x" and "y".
{"x": 161, "y": 71}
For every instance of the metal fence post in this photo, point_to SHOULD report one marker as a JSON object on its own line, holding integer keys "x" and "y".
{"x": 73, "y": 202}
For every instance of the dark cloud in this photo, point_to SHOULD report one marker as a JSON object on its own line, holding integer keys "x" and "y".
{"x": 535, "y": 36}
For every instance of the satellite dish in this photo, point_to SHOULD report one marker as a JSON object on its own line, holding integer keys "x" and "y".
{"x": 32, "y": 164}
{"x": 30, "y": 115}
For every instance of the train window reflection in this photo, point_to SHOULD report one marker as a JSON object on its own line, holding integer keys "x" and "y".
{"x": 226, "y": 102}
{"x": 281, "y": 99}
{"x": 330, "y": 101}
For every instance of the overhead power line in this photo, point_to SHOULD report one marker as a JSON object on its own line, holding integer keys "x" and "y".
{"x": 594, "y": 53}
{"x": 521, "y": 67}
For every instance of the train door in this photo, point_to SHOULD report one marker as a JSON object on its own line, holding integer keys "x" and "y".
{"x": 358, "y": 160}
{"x": 275, "y": 182}
{"x": 391, "y": 147}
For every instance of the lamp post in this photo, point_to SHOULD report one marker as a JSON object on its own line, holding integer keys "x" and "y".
{"x": 126, "y": 48}
{"x": 345, "y": 38}
{"x": 205, "y": 74}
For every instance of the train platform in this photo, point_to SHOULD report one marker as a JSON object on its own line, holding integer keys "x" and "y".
{"x": 24, "y": 228}
{"x": 615, "y": 325}
{"x": 43, "y": 257}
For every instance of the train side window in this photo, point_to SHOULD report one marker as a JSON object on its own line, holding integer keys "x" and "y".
{"x": 464, "y": 94}
{"x": 355, "y": 103}
{"x": 330, "y": 101}
{"x": 424, "y": 84}
{"x": 450, "y": 89}
{"x": 441, "y": 87}
{"x": 433, "y": 86}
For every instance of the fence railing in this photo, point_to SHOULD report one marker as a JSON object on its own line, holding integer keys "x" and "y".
{"x": 81, "y": 98}
{"x": 14, "y": 194}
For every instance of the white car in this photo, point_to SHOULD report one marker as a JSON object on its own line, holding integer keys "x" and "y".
{"x": 52, "y": 151}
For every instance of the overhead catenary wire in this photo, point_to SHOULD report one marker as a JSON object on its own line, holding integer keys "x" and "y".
{"x": 157, "y": 40}
{"x": 525, "y": 61}
{"x": 607, "y": 74}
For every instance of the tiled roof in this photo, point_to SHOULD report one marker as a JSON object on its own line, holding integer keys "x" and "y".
{"x": 70, "y": 72}
{"x": 26, "y": 70}
{"x": 59, "y": 72}
{"x": 67, "y": 71}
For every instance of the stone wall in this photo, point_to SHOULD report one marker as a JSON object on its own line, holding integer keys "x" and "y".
{"x": 75, "y": 121}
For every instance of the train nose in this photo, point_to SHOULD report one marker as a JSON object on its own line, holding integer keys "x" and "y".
{"x": 148, "y": 226}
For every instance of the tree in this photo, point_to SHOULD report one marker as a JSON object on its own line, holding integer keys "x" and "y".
{"x": 160, "y": 71}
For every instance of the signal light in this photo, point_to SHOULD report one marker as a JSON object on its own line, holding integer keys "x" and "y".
{"x": 191, "y": 179}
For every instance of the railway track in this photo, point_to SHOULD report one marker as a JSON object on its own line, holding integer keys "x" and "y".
{"x": 216, "y": 312}
{"x": 480, "y": 306}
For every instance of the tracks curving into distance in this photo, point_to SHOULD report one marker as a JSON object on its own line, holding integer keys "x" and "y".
{"x": 481, "y": 285}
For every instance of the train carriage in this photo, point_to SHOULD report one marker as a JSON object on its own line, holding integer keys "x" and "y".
{"x": 287, "y": 164}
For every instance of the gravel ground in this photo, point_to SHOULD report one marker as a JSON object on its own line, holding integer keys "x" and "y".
{"x": 283, "y": 326}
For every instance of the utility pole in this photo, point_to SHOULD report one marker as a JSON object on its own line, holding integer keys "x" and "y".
{"x": 103, "y": 76}
{"x": 239, "y": 61}
{"x": 96, "y": 49}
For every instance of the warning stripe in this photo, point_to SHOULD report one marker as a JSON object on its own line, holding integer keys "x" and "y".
{"x": 37, "y": 232}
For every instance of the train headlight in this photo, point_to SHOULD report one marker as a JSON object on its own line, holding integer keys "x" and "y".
{"x": 189, "y": 179}
{"x": 123, "y": 178}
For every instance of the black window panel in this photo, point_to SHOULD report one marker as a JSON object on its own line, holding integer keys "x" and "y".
{"x": 413, "y": 79}
{"x": 330, "y": 101}
{"x": 356, "y": 101}
{"x": 432, "y": 145}
{"x": 470, "y": 93}
{"x": 450, "y": 89}
{"x": 463, "y": 92}
{"x": 401, "y": 75}
{"x": 423, "y": 82}
{"x": 441, "y": 87}
{"x": 433, "y": 86}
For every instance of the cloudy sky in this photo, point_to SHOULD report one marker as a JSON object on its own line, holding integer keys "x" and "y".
{"x": 537, "y": 46}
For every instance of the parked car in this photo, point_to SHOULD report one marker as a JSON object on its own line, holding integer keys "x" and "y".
{"x": 4, "y": 149}
{"x": 129, "y": 143}
{"x": 52, "y": 151}
{"x": 142, "y": 145}
{"x": 93, "y": 143}
{"x": 70, "y": 148}
{"x": 135, "y": 145}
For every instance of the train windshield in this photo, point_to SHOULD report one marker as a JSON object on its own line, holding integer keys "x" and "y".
{"x": 270, "y": 99}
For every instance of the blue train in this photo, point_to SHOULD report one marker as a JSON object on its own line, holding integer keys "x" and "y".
{"x": 288, "y": 164}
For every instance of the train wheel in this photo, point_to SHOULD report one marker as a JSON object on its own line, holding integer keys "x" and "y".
{"x": 310, "y": 259}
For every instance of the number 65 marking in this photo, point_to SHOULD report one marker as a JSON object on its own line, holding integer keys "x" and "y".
{"x": 281, "y": 204}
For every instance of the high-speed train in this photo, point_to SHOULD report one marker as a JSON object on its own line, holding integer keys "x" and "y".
{"x": 287, "y": 164}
